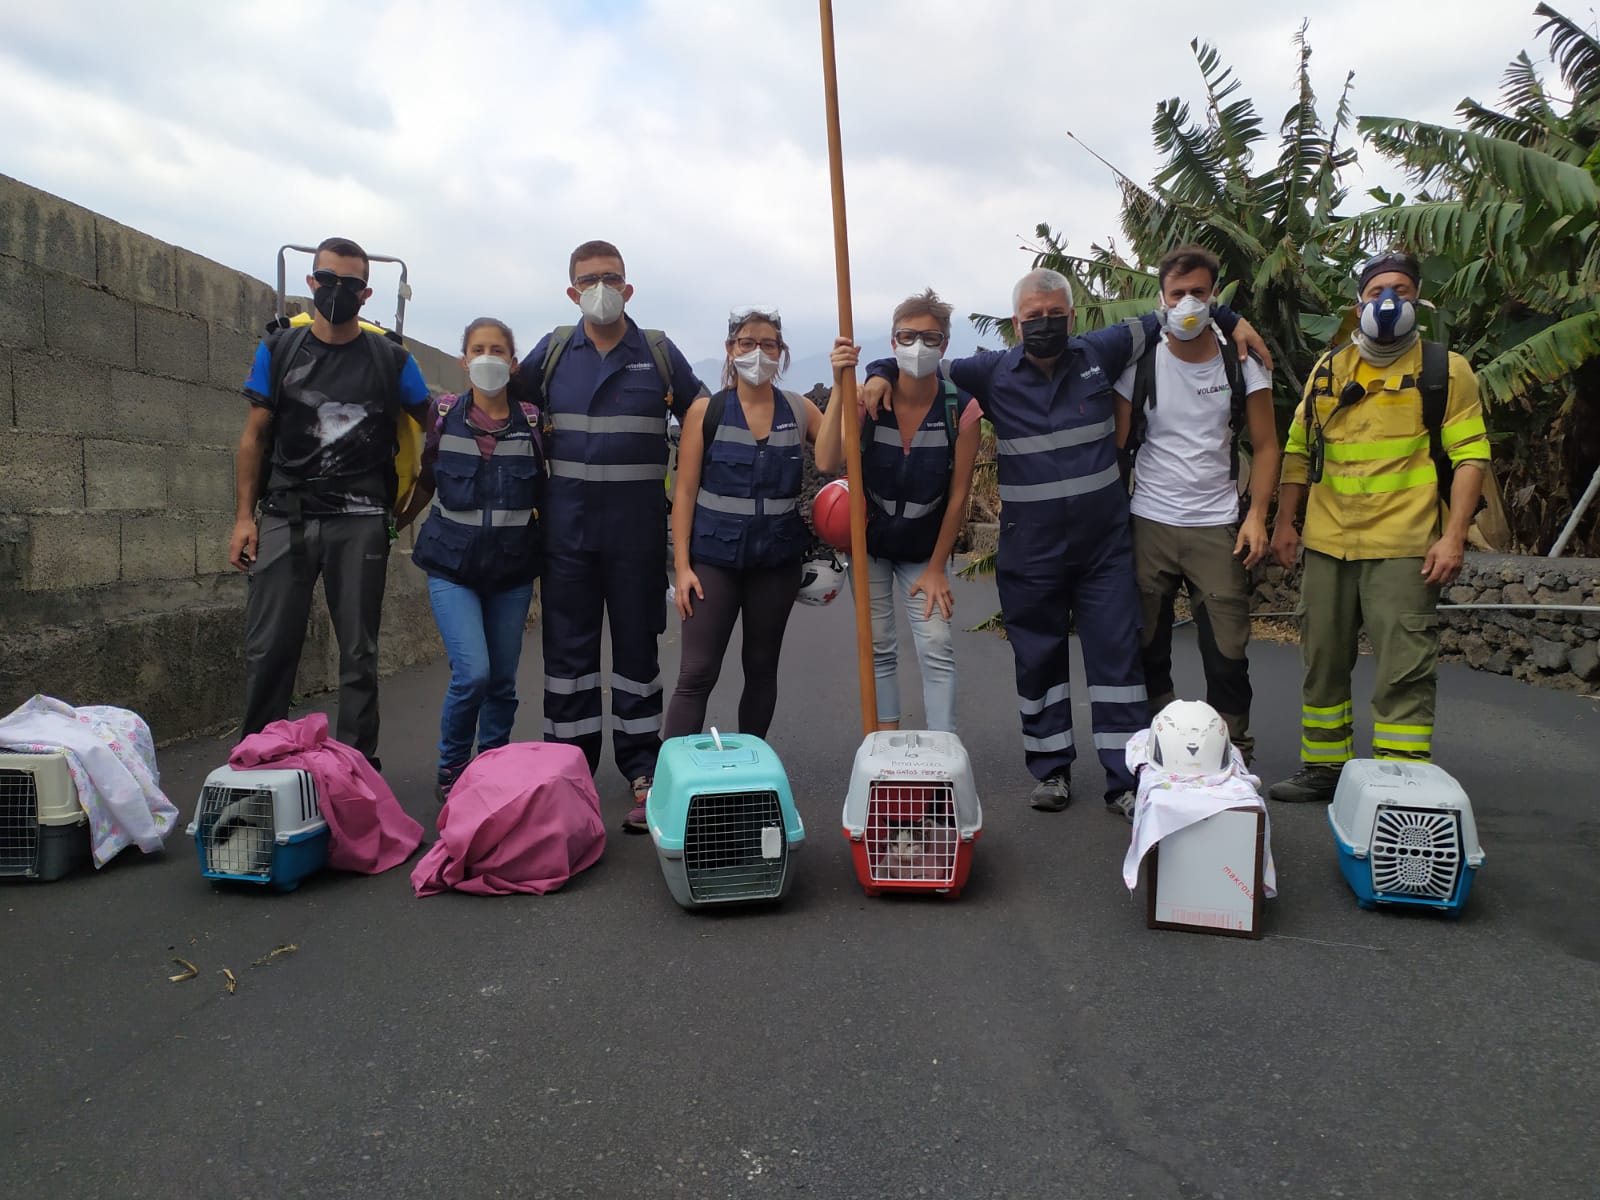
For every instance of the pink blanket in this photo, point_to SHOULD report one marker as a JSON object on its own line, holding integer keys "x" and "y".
{"x": 368, "y": 831}
{"x": 522, "y": 818}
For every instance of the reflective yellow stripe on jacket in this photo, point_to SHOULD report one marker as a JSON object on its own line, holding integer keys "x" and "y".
{"x": 1379, "y": 497}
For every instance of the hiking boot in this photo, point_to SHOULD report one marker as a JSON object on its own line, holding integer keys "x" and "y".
{"x": 1121, "y": 805}
{"x": 636, "y": 821}
{"x": 1312, "y": 785}
{"x": 1052, "y": 793}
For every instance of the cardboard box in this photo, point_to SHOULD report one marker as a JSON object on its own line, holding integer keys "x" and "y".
{"x": 1207, "y": 878}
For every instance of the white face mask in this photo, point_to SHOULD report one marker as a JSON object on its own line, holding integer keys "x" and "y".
{"x": 755, "y": 368}
{"x": 489, "y": 374}
{"x": 1187, "y": 318}
{"x": 917, "y": 360}
{"x": 601, "y": 304}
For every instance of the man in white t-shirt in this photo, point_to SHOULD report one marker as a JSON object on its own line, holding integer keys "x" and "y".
{"x": 1181, "y": 409}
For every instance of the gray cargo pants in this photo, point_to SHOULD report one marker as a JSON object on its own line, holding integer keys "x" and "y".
{"x": 351, "y": 553}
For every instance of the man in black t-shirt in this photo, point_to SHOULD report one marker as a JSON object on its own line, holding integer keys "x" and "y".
{"x": 317, "y": 452}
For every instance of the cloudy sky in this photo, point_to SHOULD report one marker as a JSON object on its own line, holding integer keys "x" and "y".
{"x": 482, "y": 140}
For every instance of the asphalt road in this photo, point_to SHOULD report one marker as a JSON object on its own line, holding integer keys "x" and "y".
{"x": 1031, "y": 1039}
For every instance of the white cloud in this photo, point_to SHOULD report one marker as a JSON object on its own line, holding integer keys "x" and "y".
{"x": 482, "y": 142}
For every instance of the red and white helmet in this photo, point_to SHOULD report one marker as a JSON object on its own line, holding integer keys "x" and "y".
{"x": 820, "y": 581}
{"x": 1189, "y": 737}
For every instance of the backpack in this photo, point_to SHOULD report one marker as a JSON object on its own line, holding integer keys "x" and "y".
{"x": 1434, "y": 385}
{"x": 562, "y": 334}
{"x": 1144, "y": 397}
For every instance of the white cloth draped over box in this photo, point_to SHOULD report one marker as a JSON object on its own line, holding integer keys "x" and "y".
{"x": 112, "y": 759}
{"x": 1167, "y": 802}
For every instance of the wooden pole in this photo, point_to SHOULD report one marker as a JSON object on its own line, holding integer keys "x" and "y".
{"x": 850, "y": 426}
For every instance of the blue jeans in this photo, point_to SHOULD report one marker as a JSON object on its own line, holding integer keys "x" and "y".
{"x": 936, "y": 653}
{"x": 482, "y": 634}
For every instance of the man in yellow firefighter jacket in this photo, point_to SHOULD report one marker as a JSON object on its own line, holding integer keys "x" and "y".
{"x": 1385, "y": 423}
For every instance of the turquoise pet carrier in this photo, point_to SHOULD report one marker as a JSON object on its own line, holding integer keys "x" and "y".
{"x": 723, "y": 820}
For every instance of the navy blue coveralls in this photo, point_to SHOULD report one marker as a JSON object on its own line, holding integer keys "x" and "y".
{"x": 1066, "y": 551}
{"x": 605, "y": 540}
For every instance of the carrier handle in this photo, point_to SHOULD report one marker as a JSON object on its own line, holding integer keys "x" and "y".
{"x": 716, "y": 737}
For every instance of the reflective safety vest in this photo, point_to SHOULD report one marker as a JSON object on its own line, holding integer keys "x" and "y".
{"x": 908, "y": 491}
{"x": 746, "y": 513}
{"x": 482, "y": 530}
{"x": 1378, "y": 491}
{"x": 1055, "y": 439}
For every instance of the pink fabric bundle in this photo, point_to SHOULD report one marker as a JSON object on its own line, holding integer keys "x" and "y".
{"x": 522, "y": 818}
{"x": 368, "y": 831}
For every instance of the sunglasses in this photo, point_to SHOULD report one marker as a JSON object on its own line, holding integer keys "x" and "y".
{"x": 611, "y": 279}
{"x": 738, "y": 316}
{"x": 910, "y": 337}
{"x": 350, "y": 283}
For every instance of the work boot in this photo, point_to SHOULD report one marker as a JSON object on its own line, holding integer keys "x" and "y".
{"x": 1053, "y": 792}
{"x": 1312, "y": 785}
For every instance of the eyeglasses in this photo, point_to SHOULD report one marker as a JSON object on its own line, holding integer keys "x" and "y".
{"x": 756, "y": 312}
{"x": 327, "y": 278}
{"x": 910, "y": 337}
{"x": 768, "y": 346}
{"x": 611, "y": 279}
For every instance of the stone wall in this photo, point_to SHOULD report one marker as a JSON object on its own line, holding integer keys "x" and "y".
{"x": 121, "y": 361}
{"x": 1559, "y": 649}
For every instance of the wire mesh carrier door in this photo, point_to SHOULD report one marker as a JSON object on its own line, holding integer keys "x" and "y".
{"x": 1405, "y": 834}
{"x": 723, "y": 820}
{"x": 263, "y": 827}
{"x": 912, "y": 813}
{"x": 44, "y": 832}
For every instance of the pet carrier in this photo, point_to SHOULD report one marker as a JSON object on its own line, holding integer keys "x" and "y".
{"x": 44, "y": 832}
{"x": 912, "y": 813}
{"x": 1405, "y": 834}
{"x": 260, "y": 827}
{"x": 723, "y": 820}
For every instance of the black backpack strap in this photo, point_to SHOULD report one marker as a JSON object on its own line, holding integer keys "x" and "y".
{"x": 1434, "y": 384}
{"x": 710, "y": 425}
{"x": 1238, "y": 395}
{"x": 657, "y": 341}
{"x": 387, "y": 363}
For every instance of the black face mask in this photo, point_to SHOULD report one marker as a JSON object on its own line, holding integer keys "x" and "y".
{"x": 336, "y": 303}
{"x": 1046, "y": 337}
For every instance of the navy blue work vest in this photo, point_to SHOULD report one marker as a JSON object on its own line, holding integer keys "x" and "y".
{"x": 483, "y": 528}
{"x": 1055, "y": 438}
{"x": 747, "y": 511}
{"x": 907, "y": 493}
{"x": 607, "y": 447}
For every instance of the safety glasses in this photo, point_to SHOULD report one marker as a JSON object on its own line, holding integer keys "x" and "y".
{"x": 738, "y": 316}
{"x": 910, "y": 337}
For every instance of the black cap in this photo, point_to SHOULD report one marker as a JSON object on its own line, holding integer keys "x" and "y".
{"x": 1392, "y": 260}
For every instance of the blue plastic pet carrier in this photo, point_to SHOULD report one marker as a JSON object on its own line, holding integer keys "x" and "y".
{"x": 723, "y": 820}
{"x": 263, "y": 827}
{"x": 1405, "y": 834}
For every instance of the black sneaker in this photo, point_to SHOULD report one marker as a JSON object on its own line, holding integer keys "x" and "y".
{"x": 1312, "y": 785}
{"x": 1052, "y": 793}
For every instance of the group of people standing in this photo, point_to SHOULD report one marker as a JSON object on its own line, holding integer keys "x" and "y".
{"x": 552, "y": 467}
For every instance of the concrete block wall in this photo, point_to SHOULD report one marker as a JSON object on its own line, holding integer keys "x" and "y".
{"x": 121, "y": 361}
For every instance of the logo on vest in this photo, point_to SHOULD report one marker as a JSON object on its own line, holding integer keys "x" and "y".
{"x": 1090, "y": 373}
{"x": 639, "y": 367}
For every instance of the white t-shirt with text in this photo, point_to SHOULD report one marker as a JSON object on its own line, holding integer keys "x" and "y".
{"x": 1181, "y": 473}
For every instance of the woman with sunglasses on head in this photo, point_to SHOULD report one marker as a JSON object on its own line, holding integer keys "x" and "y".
{"x": 916, "y": 463}
{"x": 737, "y": 535}
{"x": 483, "y": 468}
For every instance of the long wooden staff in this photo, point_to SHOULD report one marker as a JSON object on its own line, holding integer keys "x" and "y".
{"x": 850, "y": 425}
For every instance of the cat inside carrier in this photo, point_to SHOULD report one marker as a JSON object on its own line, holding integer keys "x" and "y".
{"x": 263, "y": 827}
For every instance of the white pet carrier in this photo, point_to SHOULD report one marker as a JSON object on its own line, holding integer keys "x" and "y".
{"x": 44, "y": 832}
{"x": 1405, "y": 834}
{"x": 260, "y": 827}
{"x": 912, "y": 813}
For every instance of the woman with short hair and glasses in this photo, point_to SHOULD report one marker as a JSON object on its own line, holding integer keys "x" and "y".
{"x": 917, "y": 460}
{"x": 737, "y": 535}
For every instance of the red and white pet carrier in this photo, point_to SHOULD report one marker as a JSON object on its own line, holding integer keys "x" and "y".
{"x": 912, "y": 813}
